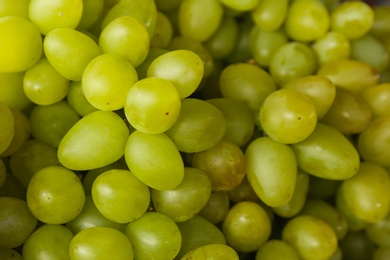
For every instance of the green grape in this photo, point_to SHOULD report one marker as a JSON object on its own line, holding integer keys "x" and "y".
{"x": 48, "y": 242}
{"x": 50, "y": 123}
{"x": 276, "y": 249}
{"x": 372, "y": 144}
{"x": 96, "y": 140}
{"x": 376, "y": 97}
{"x": 327, "y": 153}
{"x": 183, "y": 68}
{"x": 69, "y": 51}
{"x": 167, "y": 5}
{"x": 187, "y": 199}
{"x": 212, "y": 252}
{"x": 270, "y": 15}
{"x": 153, "y": 53}
{"x": 106, "y": 81}
{"x": 243, "y": 192}
{"x": 197, "y": 232}
{"x": 303, "y": 62}
{"x": 263, "y": 44}
{"x": 3, "y": 173}
{"x": 224, "y": 164}
{"x": 288, "y": 116}
{"x": 380, "y": 26}
{"x": 120, "y": 196}
{"x": 10, "y": 254}
{"x": 381, "y": 253}
{"x": 88, "y": 245}
{"x": 264, "y": 155}
{"x": 216, "y": 207}
{"x": 125, "y": 36}
{"x": 12, "y": 188}
{"x": 338, "y": 255}
{"x": 242, "y": 51}
{"x": 56, "y": 14}
{"x": 246, "y": 226}
{"x": 77, "y": 100}
{"x": 50, "y": 189}
{"x": 354, "y": 19}
{"x": 311, "y": 237}
{"x": 7, "y": 127}
{"x": 378, "y": 232}
{"x": 321, "y": 188}
{"x": 11, "y": 91}
{"x": 356, "y": 246}
{"x": 89, "y": 217}
{"x": 298, "y": 199}
{"x": 92, "y": 11}
{"x": 154, "y": 236}
{"x": 155, "y": 160}
{"x": 199, "y": 127}
{"x": 246, "y": 83}
{"x": 14, "y": 8}
{"x": 17, "y": 222}
{"x": 199, "y": 19}
{"x": 332, "y": 46}
{"x": 348, "y": 113}
{"x": 31, "y": 157}
{"x": 21, "y": 44}
{"x": 239, "y": 5}
{"x": 240, "y": 123}
{"x": 163, "y": 31}
{"x": 320, "y": 90}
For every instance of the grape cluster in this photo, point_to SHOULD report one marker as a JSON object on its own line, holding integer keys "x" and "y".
{"x": 194, "y": 129}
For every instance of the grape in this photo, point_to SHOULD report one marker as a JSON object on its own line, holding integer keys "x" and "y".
{"x": 321, "y": 188}
{"x": 12, "y": 8}
{"x": 212, "y": 252}
{"x": 50, "y": 189}
{"x": 275, "y": 249}
{"x": 92, "y": 11}
{"x": 87, "y": 245}
{"x": 216, "y": 207}
{"x": 243, "y": 192}
{"x": 153, "y": 53}
{"x": 10, "y": 254}
{"x": 332, "y": 46}
{"x": 242, "y": 52}
{"x": 241, "y": 6}
{"x": 380, "y": 25}
{"x": 167, "y": 5}
{"x": 7, "y": 128}
{"x": 381, "y": 253}
{"x": 77, "y": 100}
{"x": 269, "y": 15}
{"x": 163, "y": 32}
{"x": 356, "y": 246}
{"x": 376, "y": 98}
{"x": 11, "y": 91}
{"x": 378, "y": 232}
{"x": 12, "y": 188}
{"x": 154, "y": 235}
{"x": 120, "y": 196}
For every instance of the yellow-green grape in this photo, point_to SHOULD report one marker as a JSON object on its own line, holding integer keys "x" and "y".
{"x": 288, "y": 116}
{"x": 353, "y": 75}
{"x": 77, "y": 100}
{"x": 239, "y": 5}
{"x": 56, "y": 14}
{"x": 126, "y": 36}
{"x": 327, "y": 153}
{"x": 7, "y": 127}
{"x": 154, "y": 235}
{"x": 120, "y": 196}
{"x": 222, "y": 42}
{"x": 43, "y": 85}
{"x": 240, "y": 122}
{"x": 381, "y": 253}
{"x": 11, "y": 90}
{"x": 163, "y": 32}
{"x": 264, "y": 155}
{"x": 197, "y": 232}
{"x": 348, "y": 113}
{"x": 320, "y": 90}
{"x": 380, "y": 26}
{"x": 87, "y": 245}
{"x": 321, "y": 188}
{"x": 270, "y": 15}
{"x": 212, "y": 252}
{"x": 144, "y": 11}
{"x": 167, "y": 5}
{"x": 303, "y": 62}
{"x": 199, "y": 127}
{"x": 377, "y": 98}
{"x": 264, "y": 44}
{"x": 96, "y": 140}
{"x": 366, "y": 193}
{"x": 183, "y": 68}
{"x": 246, "y": 83}
{"x": 356, "y": 246}
{"x": 50, "y": 189}
{"x": 89, "y": 217}
{"x": 48, "y": 241}
{"x": 3, "y": 173}
{"x": 50, "y": 123}
{"x": 353, "y": 18}
{"x": 338, "y": 255}
{"x": 379, "y": 232}
{"x": 372, "y": 144}
{"x": 12, "y": 188}
{"x": 243, "y": 192}
{"x": 332, "y": 46}
{"x": 311, "y": 237}
{"x": 224, "y": 164}
{"x": 18, "y": 222}
{"x": 92, "y": 11}
{"x": 69, "y": 51}
{"x": 199, "y": 19}
{"x": 246, "y": 226}
{"x": 216, "y": 207}
{"x": 21, "y": 44}
{"x": 14, "y": 8}
{"x": 155, "y": 160}
{"x": 106, "y": 81}
{"x": 242, "y": 51}
{"x": 298, "y": 199}
{"x": 10, "y": 254}
{"x": 276, "y": 249}
{"x": 153, "y": 53}
{"x": 187, "y": 199}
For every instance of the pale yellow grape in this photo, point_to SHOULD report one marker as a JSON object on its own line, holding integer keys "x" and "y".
{"x": 14, "y": 8}
{"x": 77, "y": 100}
{"x": 11, "y": 90}
{"x": 163, "y": 32}
{"x": 7, "y": 127}
{"x": 240, "y": 5}
{"x": 333, "y": 45}
{"x": 212, "y": 252}
{"x": 92, "y": 11}
{"x": 269, "y": 15}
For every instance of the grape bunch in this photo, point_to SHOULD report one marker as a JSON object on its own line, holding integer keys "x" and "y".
{"x": 194, "y": 129}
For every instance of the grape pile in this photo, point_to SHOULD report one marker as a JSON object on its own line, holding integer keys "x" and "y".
{"x": 194, "y": 129}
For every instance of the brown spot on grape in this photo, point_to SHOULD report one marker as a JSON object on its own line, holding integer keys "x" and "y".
{"x": 166, "y": 113}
